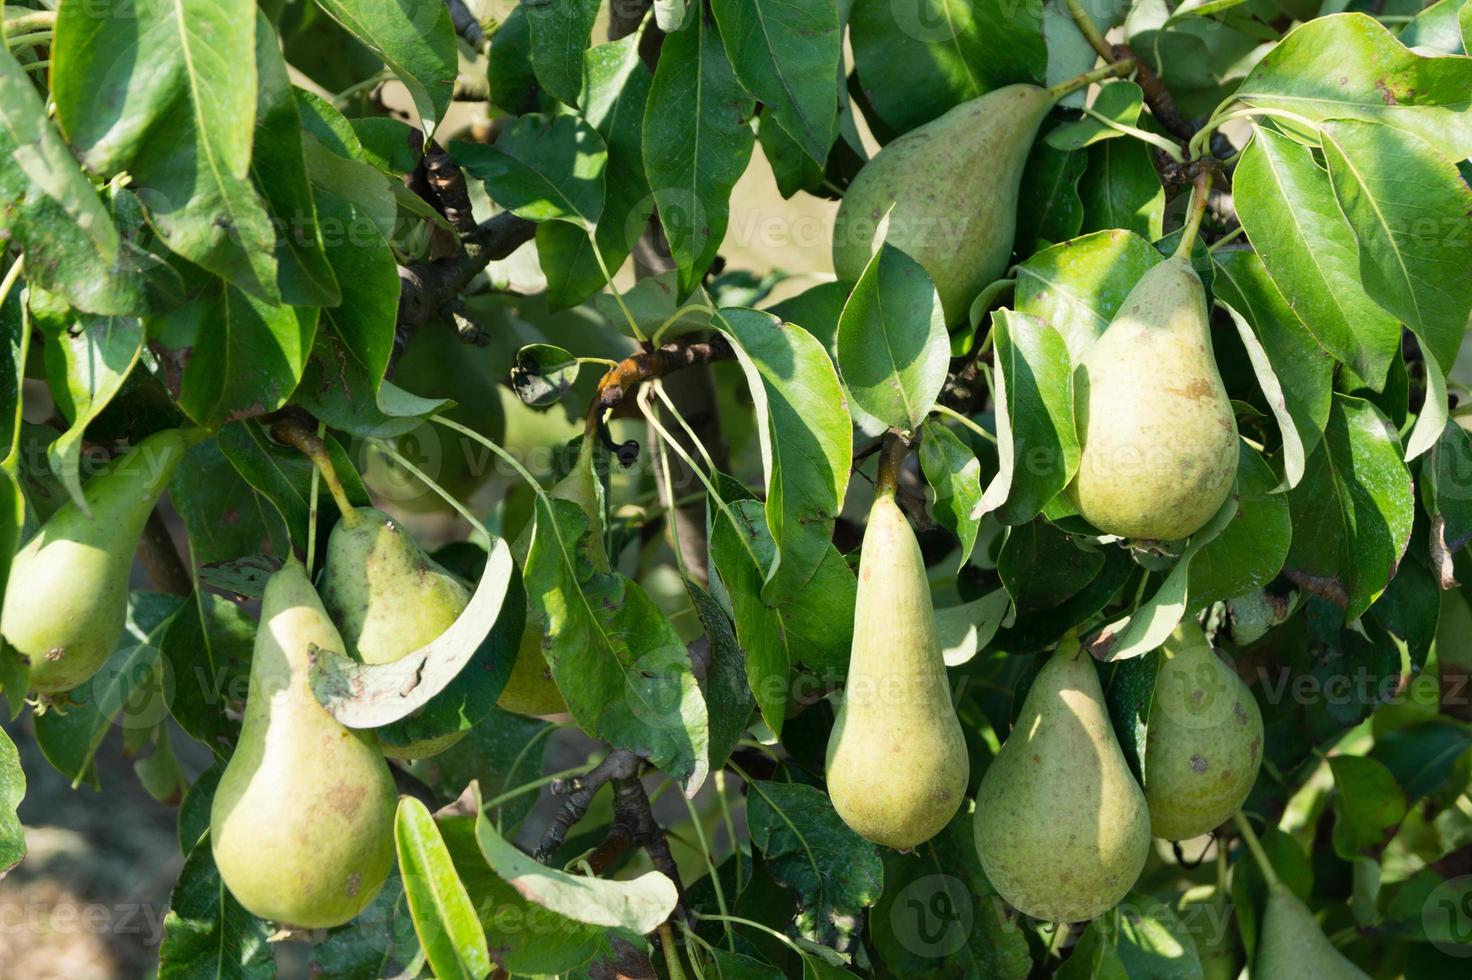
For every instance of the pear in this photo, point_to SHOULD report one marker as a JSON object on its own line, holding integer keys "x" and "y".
{"x": 896, "y": 763}
{"x": 1290, "y": 943}
{"x": 301, "y": 825}
{"x": 530, "y": 690}
{"x": 1159, "y": 438}
{"x": 949, "y": 189}
{"x": 67, "y": 596}
{"x": 1204, "y": 743}
{"x": 1062, "y": 829}
{"x": 386, "y": 595}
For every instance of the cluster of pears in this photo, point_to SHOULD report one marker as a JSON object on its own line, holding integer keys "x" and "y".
{"x": 67, "y": 597}
{"x": 1159, "y": 457}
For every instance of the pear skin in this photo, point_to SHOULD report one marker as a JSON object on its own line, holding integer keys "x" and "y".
{"x": 530, "y": 690}
{"x": 67, "y": 596}
{"x": 896, "y": 764}
{"x": 386, "y": 595}
{"x": 1062, "y": 829}
{"x": 1203, "y": 747}
{"x": 1290, "y": 943}
{"x": 1159, "y": 437}
{"x": 950, "y": 190}
{"x": 302, "y": 822}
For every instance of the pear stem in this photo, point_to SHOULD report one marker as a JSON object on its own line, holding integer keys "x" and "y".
{"x": 292, "y": 432}
{"x": 891, "y": 458}
{"x": 671, "y": 955}
{"x": 1115, "y": 69}
{"x": 1089, "y": 29}
{"x": 1200, "y": 188}
{"x": 1255, "y": 846}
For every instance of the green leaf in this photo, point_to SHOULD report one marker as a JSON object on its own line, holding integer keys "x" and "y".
{"x": 542, "y": 168}
{"x": 509, "y": 69}
{"x": 87, "y": 361}
{"x": 1348, "y": 66}
{"x": 1296, "y": 374}
{"x": 361, "y": 695}
{"x": 1422, "y": 756}
{"x": 223, "y": 515}
{"x": 939, "y": 913}
{"x": 172, "y": 100}
{"x": 1118, "y": 101}
{"x": 1120, "y": 189}
{"x": 1353, "y": 512}
{"x": 806, "y": 440}
{"x": 615, "y": 91}
{"x": 918, "y": 58}
{"x": 1445, "y": 499}
{"x": 965, "y": 630}
{"x": 131, "y": 690}
{"x": 54, "y": 215}
{"x": 1368, "y": 807}
{"x": 1250, "y": 551}
{"x": 1037, "y": 442}
{"x": 1078, "y": 286}
{"x": 501, "y": 753}
{"x": 815, "y": 309}
{"x": 697, "y": 140}
{"x": 618, "y": 662}
{"x": 380, "y": 942}
{"x": 206, "y": 648}
{"x": 444, "y": 917}
{"x": 1041, "y": 565}
{"x": 1094, "y": 956}
{"x": 1287, "y": 207}
{"x": 787, "y": 55}
{"x": 1436, "y": 27}
{"x": 12, "y": 791}
{"x": 238, "y": 355}
{"x": 560, "y": 31}
{"x": 207, "y": 934}
{"x": 893, "y": 349}
{"x": 954, "y": 475}
{"x": 638, "y": 906}
{"x": 416, "y": 42}
{"x": 1048, "y": 206}
{"x": 835, "y": 872}
{"x": 727, "y": 694}
{"x": 304, "y": 275}
{"x": 1409, "y": 208}
{"x": 543, "y": 373}
{"x": 810, "y": 626}
{"x": 1154, "y": 942}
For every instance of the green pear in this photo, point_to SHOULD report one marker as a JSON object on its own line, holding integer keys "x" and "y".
{"x": 1062, "y": 829}
{"x": 67, "y": 596}
{"x": 302, "y": 822}
{"x": 530, "y": 690}
{"x": 1159, "y": 438}
{"x": 949, "y": 189}
{"x": 386, "y": 595}
{"x": 1291, "y": 945}
{"x": 896, "y": 763}
{"x": 1203, "y": 746}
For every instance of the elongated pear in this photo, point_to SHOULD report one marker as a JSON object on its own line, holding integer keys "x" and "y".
{"x": 896, "y": 764}
{"x": 1062, "y": 829}
{"x": 949, "y": 189}
{"x": 302, "y": 822}
{"x": 1203, "y": 747}
{"x": 67, "y": 596}
{"x": 386, "y": 595}
{"x": 530, "y": 689}
{"x": 1290, "y": 943}
{"x": 1159, "y": 438}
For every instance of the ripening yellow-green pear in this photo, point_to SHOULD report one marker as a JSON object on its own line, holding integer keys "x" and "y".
{"x": 67, "y": 596}
{"x": 530, "y": 690}
{"x": 1062, "y": 829}
{"x": 1203, "y": 746}
{"x": 386, "y": 595}
{"x": 1159, "y": 437}
{"x": 1290, "y": 944}
{"x": 896, "y": 764}
{"x": 302, "y": 822}
{"x": 949, "y": 189}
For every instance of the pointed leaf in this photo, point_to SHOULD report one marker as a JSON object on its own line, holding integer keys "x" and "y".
{"x": 416, "y": 41}
{"x": 444, "y": 918}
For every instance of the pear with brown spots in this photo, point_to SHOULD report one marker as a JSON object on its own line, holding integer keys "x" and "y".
{"x": 897, "y": 764}
{"x": 1062, "y": 829}
{"x": 302, "y": 822}
{"x": 1159, "y": 438}
{"x": 1203, "y": 746}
